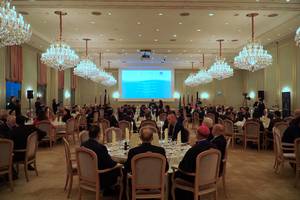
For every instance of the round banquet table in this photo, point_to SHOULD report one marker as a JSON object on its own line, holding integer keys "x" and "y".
{"x": 174, "y": 152}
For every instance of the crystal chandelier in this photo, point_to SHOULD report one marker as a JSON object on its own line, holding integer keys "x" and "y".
{"x": 253, "y": 56}
{"x": 13, "y": 29}
{"x": 297, "y": 37}
{"x": 191, "y": 80}
{"x": 109, "y": 78}
{"x": 201, "y": 77}
{"x": 86, "y": 68}
{"x": 220, "y": 69}
{"x": 60, "y": 55}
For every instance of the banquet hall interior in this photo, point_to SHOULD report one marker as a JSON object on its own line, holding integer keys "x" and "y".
{"x": 140, "y": 99}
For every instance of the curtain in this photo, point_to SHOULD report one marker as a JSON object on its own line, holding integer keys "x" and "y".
{"x": 14, "y": 64}
{"x": 42, "y": 71}
{"x": 61, "y": 79}
{"x": 73, "y": 80}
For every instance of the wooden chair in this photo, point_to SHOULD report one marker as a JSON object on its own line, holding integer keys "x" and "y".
{"x": 82, "y": 122}
{"x": 220, "y": 121}
{"x": 83, "y": 136}
{"x": 70, "y": 129}
{"x": 224, "y": 161}
{"x": 6, "y": 155}
{"x": 71, "y": 166}
{"x": 104, "y": 124}
{"x": 297, "y": 154}
{"x": 281, "y": 157}
{"x": 108, "y": 134}
{"x": 206, "y": 175}
{"x": 162, "y": 117}
{"x": 48, "y": 128}
{"x": 30, "y": 154}
{"x": 95, "y": 117}
{"x": 229, "y": 130}
{"x": 87, "y": 163}
{"x": 148, "y": 176}
{"x": 281, "y": 126}
{"x": 251, "y": 133}
{"x": 123, "y": 124}
{"x": 212, "y": 116}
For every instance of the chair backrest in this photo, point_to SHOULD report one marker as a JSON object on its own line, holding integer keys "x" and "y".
{"x": 281, "y": 127}
{"x": 82, "y": 120}
{"x": 95, "y": 117}
{"x": 228, "y": 141}
{"x": 148, "y": 171}
{"x": 83, "y": 136}
{"x": 207, "y": 167}
{"x": 101, "y": 113}
{"x": 67, "y": 155}
{"x": 6, "y": 154}
{"x": 251, "y": 129}
{"x": 105, "y": 124}
{"x": 134, "y": 140}
{"x": 277, "y": 143}
{"x": 70, "y": 125}
{"x": 87, "y": 164}
{"x": 148, "y": 123}
{"x": 162, "y": 117}
{"x": 123, "y": 124}
{"x": 32, "y": 146}
{"x": 297, "y": 151}
{"x": 220, "y": 121}
{"x": 212, "y": 116}
{"x": 228, "y": 125}
{"x": 109, "y": 132}
{"x": 46, "y": 126}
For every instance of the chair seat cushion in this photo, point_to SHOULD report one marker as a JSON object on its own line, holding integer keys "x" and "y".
{"x": 289, "y": 155}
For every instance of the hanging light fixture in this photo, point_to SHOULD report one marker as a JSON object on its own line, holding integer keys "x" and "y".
{"x": 253, "y": 56}
{"x": 60, "y": 55}
{"x": 191, "y": 80}
{"x": 220, "y": 69}
{"x": 297, "y": 37}
{"x": 109, "y": 78}
{"x": 13, "y": 29}
{"x": 101, "y": 75}
{"x": 201, "y": 77}
{"x": 86, "y": 67}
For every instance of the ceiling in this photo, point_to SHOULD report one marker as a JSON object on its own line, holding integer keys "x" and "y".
{"x": 121, "y": 28}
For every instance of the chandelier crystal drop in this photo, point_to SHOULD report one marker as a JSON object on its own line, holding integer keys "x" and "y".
{"x": 109, "y": 78}
{"x": 201, "y": 77}
{"x": 13, "y": 29}
{"x": 297, "y": 37}
{"x": 253, "y": 57}
{"x": 60, "y": 55}
{"x": 220, "y": 69}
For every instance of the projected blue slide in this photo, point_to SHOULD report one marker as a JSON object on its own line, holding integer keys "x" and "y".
{"x": 146, "y": 84}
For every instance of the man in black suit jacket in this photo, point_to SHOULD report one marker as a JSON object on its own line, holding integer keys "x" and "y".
{"x": 146, "y": 146}
{"x": 175, "y": 127}
{"x": 104, "y": 159}
{"x": 219, "y": 141}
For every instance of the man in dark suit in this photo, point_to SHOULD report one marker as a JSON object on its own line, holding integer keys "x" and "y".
{"x": 146, "y": 146}
{"x": 104, "y": 159}
{"x": 293, "y": 131}
{"x": 175, "y": 127}
{"x": 219, "y": 141}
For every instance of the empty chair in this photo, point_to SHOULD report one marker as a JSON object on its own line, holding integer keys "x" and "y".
{"x": 123, "y": 124}
{"x": 108, "y": 134}
{"x": 148, "y": 176}
{"x": 71, "y": 167}
{"x": 87, "y": 163}
{"x": 48, "y": 128}
{"x": 6, "y": 154}
{"x": 252, "y": 133}
{"x": 206, "y": 175}
{"x": 83, "y": 136}
{"x": 30, "y": 154}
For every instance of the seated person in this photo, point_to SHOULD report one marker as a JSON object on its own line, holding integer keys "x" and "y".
{"x": 175, "y": 127}
{"x": 111, "y": 118}
{"x": 146, "y": 146}
{"x": 188, "y": 163}
{"x": 277, "y": 118}
{"x": 219, "y": 141}
{"x": 7, "y": 126}
{"x": 293, "y": 131}
{"x": 67, "y": 115}
{"x": 42, "y": 115}
{"x": 209, "y": 123}
{"x": 104, "y": 159}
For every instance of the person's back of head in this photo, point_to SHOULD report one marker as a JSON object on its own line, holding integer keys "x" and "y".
{"x": 148, "y": 115}
{"x": 94, "y": 131}
{"x": 218, "y": 129}
{"x": 146, "y": 135}
{"x": 208, "y": 122}
{"x": 202, "y": 132}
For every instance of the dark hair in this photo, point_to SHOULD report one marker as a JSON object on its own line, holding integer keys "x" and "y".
{"x": 277, "y": 113}
{"x": 94, "y": 131}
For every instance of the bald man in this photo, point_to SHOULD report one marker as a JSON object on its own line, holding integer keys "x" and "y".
{"x": 146, "y": 146}
{"x": 219, "y": 141}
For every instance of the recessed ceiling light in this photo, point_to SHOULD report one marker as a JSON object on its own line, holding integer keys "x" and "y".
{"x": 211, "y": 14}
{"x": 174, "y": 35}
{"x": 96, "y": 13}
{"x": 139, "y": 23}
{"x": 269, "y": 39}
{"x": 107, "y": 50}
{"x": 109, "y": 13}
{"x": 92, "y": 22}
{"x": 287, "y": 0}
{"x": 179, "y": 23}
{"x": 157, "y": 30}
{"x": 121, "y": 39}
{"x": 101, "y": 35}
{"x": 123, "y": 50}
{"x": 199, "y": 51}
{"x": 191, "y": 40}
{"x": 140, "y": 35}
{"x": 226, "y": 23}
{"x": 169, "y": 50}
{"x": 184, "y": 50}
{"x": 155, "y": 40}
{"x": 239, "y": 30}
{"x": 278, "y": 34}
{"x": 198, "y": 30}
{"x": 184, "y": 14}
{"x": 160, "y": 14}
{"x": 257, "y": 0}
{"x": 44, "y": 21}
